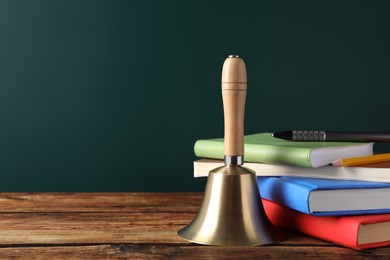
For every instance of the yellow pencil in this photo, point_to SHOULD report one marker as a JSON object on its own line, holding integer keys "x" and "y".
{"x": 385, "y": 157}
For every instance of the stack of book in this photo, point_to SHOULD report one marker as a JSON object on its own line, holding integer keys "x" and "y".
{"x": 302, "y": 192}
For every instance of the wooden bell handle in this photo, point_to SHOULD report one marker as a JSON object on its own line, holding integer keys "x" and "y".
{"x": 234, "y": 87}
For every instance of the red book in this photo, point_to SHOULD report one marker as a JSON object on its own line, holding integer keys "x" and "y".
{"x": 358, "y": 232}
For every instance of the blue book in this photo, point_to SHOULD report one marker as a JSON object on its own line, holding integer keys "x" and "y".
{"x": 324, "y": 197}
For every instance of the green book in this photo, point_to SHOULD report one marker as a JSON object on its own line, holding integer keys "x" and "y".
{"x": 264, "y": 148}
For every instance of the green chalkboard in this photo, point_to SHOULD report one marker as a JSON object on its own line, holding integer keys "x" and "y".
{"x": 111, "y": 95}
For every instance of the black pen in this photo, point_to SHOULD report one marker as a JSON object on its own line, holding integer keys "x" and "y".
{"x": 330, "y": 136}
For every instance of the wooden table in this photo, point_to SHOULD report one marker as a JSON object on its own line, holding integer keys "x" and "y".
{"x": 131, "y": 225}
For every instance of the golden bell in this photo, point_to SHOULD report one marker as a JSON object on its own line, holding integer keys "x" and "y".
{"x": 232, "y": 213}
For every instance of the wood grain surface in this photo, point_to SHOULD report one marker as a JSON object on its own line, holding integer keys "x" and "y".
{"x": 132, "y": 226}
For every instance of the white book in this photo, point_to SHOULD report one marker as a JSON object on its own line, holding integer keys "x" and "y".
{"x": 202, "y": 168}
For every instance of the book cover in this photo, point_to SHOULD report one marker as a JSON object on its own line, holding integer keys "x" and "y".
{"x": 264, "y": 148}
{"x": 323, "y": 197}
{"x": 358, "y": 232}
{"x": 202, "y": 167}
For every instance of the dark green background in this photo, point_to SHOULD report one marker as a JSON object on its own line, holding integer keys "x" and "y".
{"x": 112, "y": 95}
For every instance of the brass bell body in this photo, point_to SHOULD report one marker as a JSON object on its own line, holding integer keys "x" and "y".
{"x": 231, "y": 213}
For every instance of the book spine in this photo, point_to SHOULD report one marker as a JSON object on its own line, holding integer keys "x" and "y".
{"x": 256, "y": 153}
{"x": 285, "y": 193}
{"x": 209, "y": 149}
{"x": 333, "y": 229}
{"x": 278, "y": 155}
